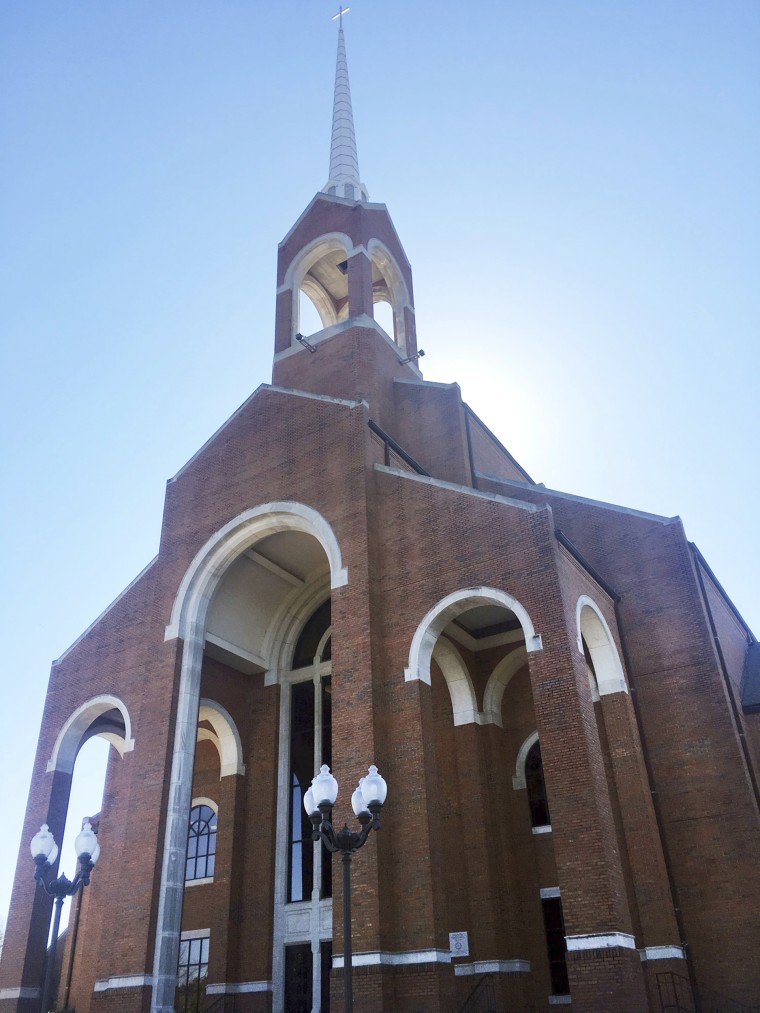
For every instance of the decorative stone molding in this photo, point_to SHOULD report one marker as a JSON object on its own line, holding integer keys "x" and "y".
{"x": 600, "y": 941}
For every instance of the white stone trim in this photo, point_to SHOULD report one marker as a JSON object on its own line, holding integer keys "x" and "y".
{"x": 188, "y": 621}
{"x": 662, "y": 953}
{"x": 592, "y": 626}
{"x": 202, "y": 800}
{"x": 195, "y": 934}
{"x": 308, "y": 921}
{"x": 497, "y": 683}
{"x": 228, "y": 738}
{"x": 234, "y": 649}
{"x": 360, "y": 320}
{"x": 461, "y": 690}
{"x": 518, "y": 780}
{"x": 171, "y": 890}
{"x": 560, "y": 1000}
{"x": 383, "y": 259}
{"x": 559, "y": 494}
{"x": 285, "y": 627}
{"x": 238, "y": 988}
{"x": 439, "y": 483}
{"x": 387, "y": 959}
{"x": 492, "y": 967}
{"x": 206, "y": 735}
{"x": 123, "y": 981}
{"x": 69, "y": 738}
{"x": 198, "y": 882}
{"x": 547, "y": 892}
{"x": 545, "y": 829}
{"x": 313, "y": 252}
{"x": 19, "y": 992}
{"x": 441, "y": 614}
{"x": 261, "y": 389}
{"x": 601, "y": 941}
{"x": 207, "y": 569}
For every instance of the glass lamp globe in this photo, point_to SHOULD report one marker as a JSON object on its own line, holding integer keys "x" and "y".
{"x": 308, "y": 802}
{"x": 374, "y": 788}
{"x": 324, "y": 787}
{"x": 43, "y": 845}
{"x": 357, "y": 800}
{"x": 86, "y": 843}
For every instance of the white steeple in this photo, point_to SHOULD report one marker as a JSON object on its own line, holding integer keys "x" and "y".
{"x": 344, "y": 178}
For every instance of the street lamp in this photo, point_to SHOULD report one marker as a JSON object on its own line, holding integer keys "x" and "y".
{"x": 366, "y": 801}
{"x": 45, "y": 852}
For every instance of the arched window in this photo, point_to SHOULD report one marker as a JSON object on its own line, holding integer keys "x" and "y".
{"x": 310, "y": 746}
{"x": 311, "y": 638}
{"x": 534, "y": 782}
{"x": 201, "y": 843}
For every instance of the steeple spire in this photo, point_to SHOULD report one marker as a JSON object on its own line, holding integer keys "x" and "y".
{"x": 344, "y": 178}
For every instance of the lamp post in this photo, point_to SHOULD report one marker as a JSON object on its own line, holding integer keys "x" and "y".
{"x": 45, "y": 852}
{"x": 366, "y": 801}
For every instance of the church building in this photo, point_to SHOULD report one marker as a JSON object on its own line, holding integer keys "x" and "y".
{"x": 561, "y": 697}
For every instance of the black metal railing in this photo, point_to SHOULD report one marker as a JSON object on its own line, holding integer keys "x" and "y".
{"x": 482, "y": 999}
{"x": 390, "y": 444}
{"x": 676, "y": 996}
{"x": 221, "y": 1004}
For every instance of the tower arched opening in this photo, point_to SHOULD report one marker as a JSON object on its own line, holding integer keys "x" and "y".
{"x": 319, "y": 279}
{"x": 390, "y": 294}
{"x": 309, "y": 319}
{"x": 383, "y": 314}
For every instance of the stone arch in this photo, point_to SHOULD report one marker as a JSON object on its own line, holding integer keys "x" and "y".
{"x": 203, "y": 800}
{"x": 286, "y": 626}
{"x": 388, "y": 285}
{"x": 593, "y": 629}
{"x": 428, "y": 631}
{"x": 461, "y": 690}
{"x": 325, "y": 253}
{"x": 106, "y": 716}
{"x": 225, "y": 737}
{"x": 518, "y": 780}
{"x": 497, "y": 683}
{"x": 207, "y": 569}
{"x": 188, "y": 621}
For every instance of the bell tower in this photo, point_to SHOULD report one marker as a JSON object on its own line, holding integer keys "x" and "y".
{"x": 344, "y": 255}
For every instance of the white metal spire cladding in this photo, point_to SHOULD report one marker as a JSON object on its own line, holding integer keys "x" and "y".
{"x": 344, "y": 178}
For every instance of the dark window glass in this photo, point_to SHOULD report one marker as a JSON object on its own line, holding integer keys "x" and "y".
{"x": 305, "y": 709}
{"x": 298, "y": 978}
{"x": 326, "y": 884}
{"x": 311, "y": 634}
{"x": 556, "y": 946}
{"x": 325, "y": 954}
{"x": 534, "y": 780}
{"x": 192, "y": 975}
{"x": 301, "y": 877}
{"x": 201, "y": 843}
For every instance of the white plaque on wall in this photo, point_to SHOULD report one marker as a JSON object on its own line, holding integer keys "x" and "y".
{"x": 459, "y": 944}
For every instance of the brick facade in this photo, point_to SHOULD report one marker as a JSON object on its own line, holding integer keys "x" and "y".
{"x": 471, "y": 609}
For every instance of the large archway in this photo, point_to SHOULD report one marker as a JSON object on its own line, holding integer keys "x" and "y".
{"x": 238, "y": 606}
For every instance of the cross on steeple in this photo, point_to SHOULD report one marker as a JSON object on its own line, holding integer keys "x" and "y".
{"x": 339, "y": 16}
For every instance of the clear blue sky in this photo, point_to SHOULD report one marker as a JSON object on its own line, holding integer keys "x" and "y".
{"x": 576, "y": 185}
